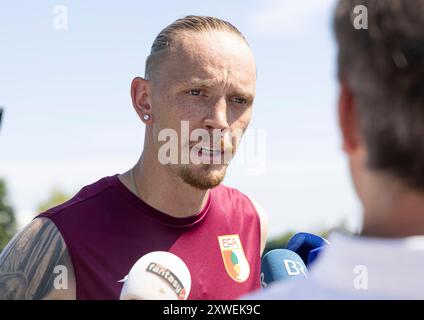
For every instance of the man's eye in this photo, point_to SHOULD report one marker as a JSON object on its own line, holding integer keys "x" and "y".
{"x": 194, "y": 92}
{"x": 240, "y": 100}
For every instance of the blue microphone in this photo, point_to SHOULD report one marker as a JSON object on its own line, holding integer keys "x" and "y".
{"x": 281, "y": 264}
{"x": 304, "y": 243}
{"x": 314, "y": 254}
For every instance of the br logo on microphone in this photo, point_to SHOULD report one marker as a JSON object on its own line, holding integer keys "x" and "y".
{"x": 294, "y": 268}
{"x": 235, "y": 260}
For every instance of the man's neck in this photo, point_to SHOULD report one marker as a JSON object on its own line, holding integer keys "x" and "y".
{"x": 399, "y": 212}
{"x": 164, "y": 191}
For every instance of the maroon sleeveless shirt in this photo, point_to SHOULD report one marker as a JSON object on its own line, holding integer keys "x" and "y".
{"x": 107, "y": 229}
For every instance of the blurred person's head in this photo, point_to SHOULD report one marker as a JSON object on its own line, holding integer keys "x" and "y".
{"x": 381, "y": 110}
{"x": 200, "y": 70}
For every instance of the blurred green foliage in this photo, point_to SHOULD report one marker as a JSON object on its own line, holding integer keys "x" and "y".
{"x": 280, "y": 242}
{"x": 55, "y": 198}
{"x": 7, "y": 217}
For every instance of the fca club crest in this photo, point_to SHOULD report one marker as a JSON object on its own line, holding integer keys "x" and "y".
{"x": 234, "y": 258}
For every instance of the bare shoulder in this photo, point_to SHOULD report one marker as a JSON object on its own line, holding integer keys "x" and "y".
{"x": 36, "y": 264}
{"x": 263, "y": 217}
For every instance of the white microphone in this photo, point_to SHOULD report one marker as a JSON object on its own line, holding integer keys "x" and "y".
{"x": 158, "y": 275}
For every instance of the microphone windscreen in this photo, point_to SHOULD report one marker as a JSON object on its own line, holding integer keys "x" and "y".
{"x": 303, "y": 243}
{"x": 281, "y": 264}
{"x": 158, "y": 275}
{"x": 313, "y": 254}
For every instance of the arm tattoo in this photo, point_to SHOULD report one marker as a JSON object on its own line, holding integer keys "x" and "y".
{"x": 27, "y": 263}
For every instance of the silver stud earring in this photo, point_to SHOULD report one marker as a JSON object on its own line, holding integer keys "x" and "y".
{"x": 146, "y": 117}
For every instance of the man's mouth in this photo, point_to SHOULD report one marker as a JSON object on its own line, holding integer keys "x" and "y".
{"x": 209, "y": 152}
{"x": 208, "y": 155}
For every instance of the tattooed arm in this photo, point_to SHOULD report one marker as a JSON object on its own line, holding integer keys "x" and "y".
{"x": 36, "y": 265}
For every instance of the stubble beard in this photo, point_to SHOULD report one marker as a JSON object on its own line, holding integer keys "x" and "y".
{"x": 207, "y": 176}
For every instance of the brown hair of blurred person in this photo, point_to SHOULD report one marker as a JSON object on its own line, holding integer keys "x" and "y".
{"x": 381, "y": 110}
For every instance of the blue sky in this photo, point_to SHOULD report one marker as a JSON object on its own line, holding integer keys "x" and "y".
{"x": 69, "y": 119}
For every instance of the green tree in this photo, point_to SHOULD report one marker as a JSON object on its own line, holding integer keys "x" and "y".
{"x": 56, "y": 197}
{"x": 7, "y": 217}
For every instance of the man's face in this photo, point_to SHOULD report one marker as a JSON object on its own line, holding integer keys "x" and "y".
{"x": 207, "y": 79}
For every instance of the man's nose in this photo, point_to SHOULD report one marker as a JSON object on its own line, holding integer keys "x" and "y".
{"x": 217, "y": 117}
